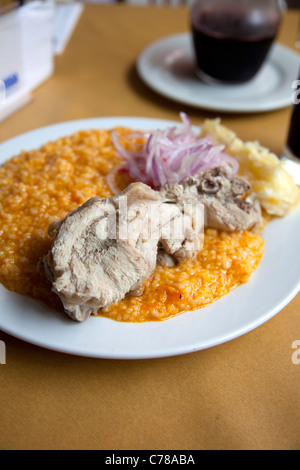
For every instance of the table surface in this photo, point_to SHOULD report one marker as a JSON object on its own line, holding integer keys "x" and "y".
{"x": 241, "y": 395}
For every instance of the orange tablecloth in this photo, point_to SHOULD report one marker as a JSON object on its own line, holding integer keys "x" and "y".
{"x": 240, "y": 395}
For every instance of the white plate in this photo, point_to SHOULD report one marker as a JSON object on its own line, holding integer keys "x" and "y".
{"x": 168, "y": 67}
{"x": 272, "y": 287}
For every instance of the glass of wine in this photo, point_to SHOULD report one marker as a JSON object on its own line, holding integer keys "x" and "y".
{"x": 232, "y": 38}
{"x": 291, "y": 155}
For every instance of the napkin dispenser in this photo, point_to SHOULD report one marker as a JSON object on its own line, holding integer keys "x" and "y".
{"x": 26, "y": 52}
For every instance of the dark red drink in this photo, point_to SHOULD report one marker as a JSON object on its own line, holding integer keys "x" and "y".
{"x": 293, "y": 142}
{"x": 232, "y": 39}
{"x": 291, "y": 154}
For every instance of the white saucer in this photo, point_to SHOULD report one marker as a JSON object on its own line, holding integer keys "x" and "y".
{"x": 168, "y": 67}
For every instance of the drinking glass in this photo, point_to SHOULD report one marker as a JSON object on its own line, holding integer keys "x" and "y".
{"x": 232, "y": 38}
{"x": 291, "y": 155}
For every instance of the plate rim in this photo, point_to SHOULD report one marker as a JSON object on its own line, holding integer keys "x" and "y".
{"x": 278, "y": 48}
{"x": 157, "y": 353}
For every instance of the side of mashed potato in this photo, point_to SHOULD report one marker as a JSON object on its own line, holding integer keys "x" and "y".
{"x": 272, "y": 185}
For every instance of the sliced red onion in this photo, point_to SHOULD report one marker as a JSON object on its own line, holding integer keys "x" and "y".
{"x": 171, "y": 155}
{"x": 111, "y": 179}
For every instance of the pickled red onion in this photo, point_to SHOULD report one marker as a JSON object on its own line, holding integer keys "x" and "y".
{"x": 171, "y": 155}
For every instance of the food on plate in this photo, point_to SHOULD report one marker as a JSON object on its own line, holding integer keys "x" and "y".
{"x": 271, "y": 184}
{"x": 223, "y": 196}
{"x": 227, "y": 260}
{"x": 169, "y": 156}
{"x": 61, "y": 218}
{"x": 109, "y": 247}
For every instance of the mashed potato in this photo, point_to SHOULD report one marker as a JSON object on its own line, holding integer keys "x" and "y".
{"x": 272, "y": 185}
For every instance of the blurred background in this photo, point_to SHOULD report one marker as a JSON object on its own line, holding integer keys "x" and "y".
{"x": 34, "y": 32}
{"x": 5, "y": 3}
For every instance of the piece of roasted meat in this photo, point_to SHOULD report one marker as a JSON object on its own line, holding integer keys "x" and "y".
{"x": 108, "y": 247}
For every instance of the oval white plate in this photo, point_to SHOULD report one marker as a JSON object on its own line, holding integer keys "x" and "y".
{"x": 168, "y": 67}
{"x": 272, "y": 287}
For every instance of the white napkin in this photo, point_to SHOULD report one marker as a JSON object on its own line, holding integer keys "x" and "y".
{"x": 66, "y": 18}
{"x": 26, "y": 53}
{"x": 36, "y": 21}
{"x": 11, "y": 70}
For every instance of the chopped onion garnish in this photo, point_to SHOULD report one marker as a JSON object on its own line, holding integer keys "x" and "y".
{"x": 111, "y": 179}
{"x": 170, "y": 156}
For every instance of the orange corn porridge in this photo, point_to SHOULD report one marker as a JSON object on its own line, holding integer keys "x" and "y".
{"x": 42, "y": 186}
{"x": 227, "y": 261}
